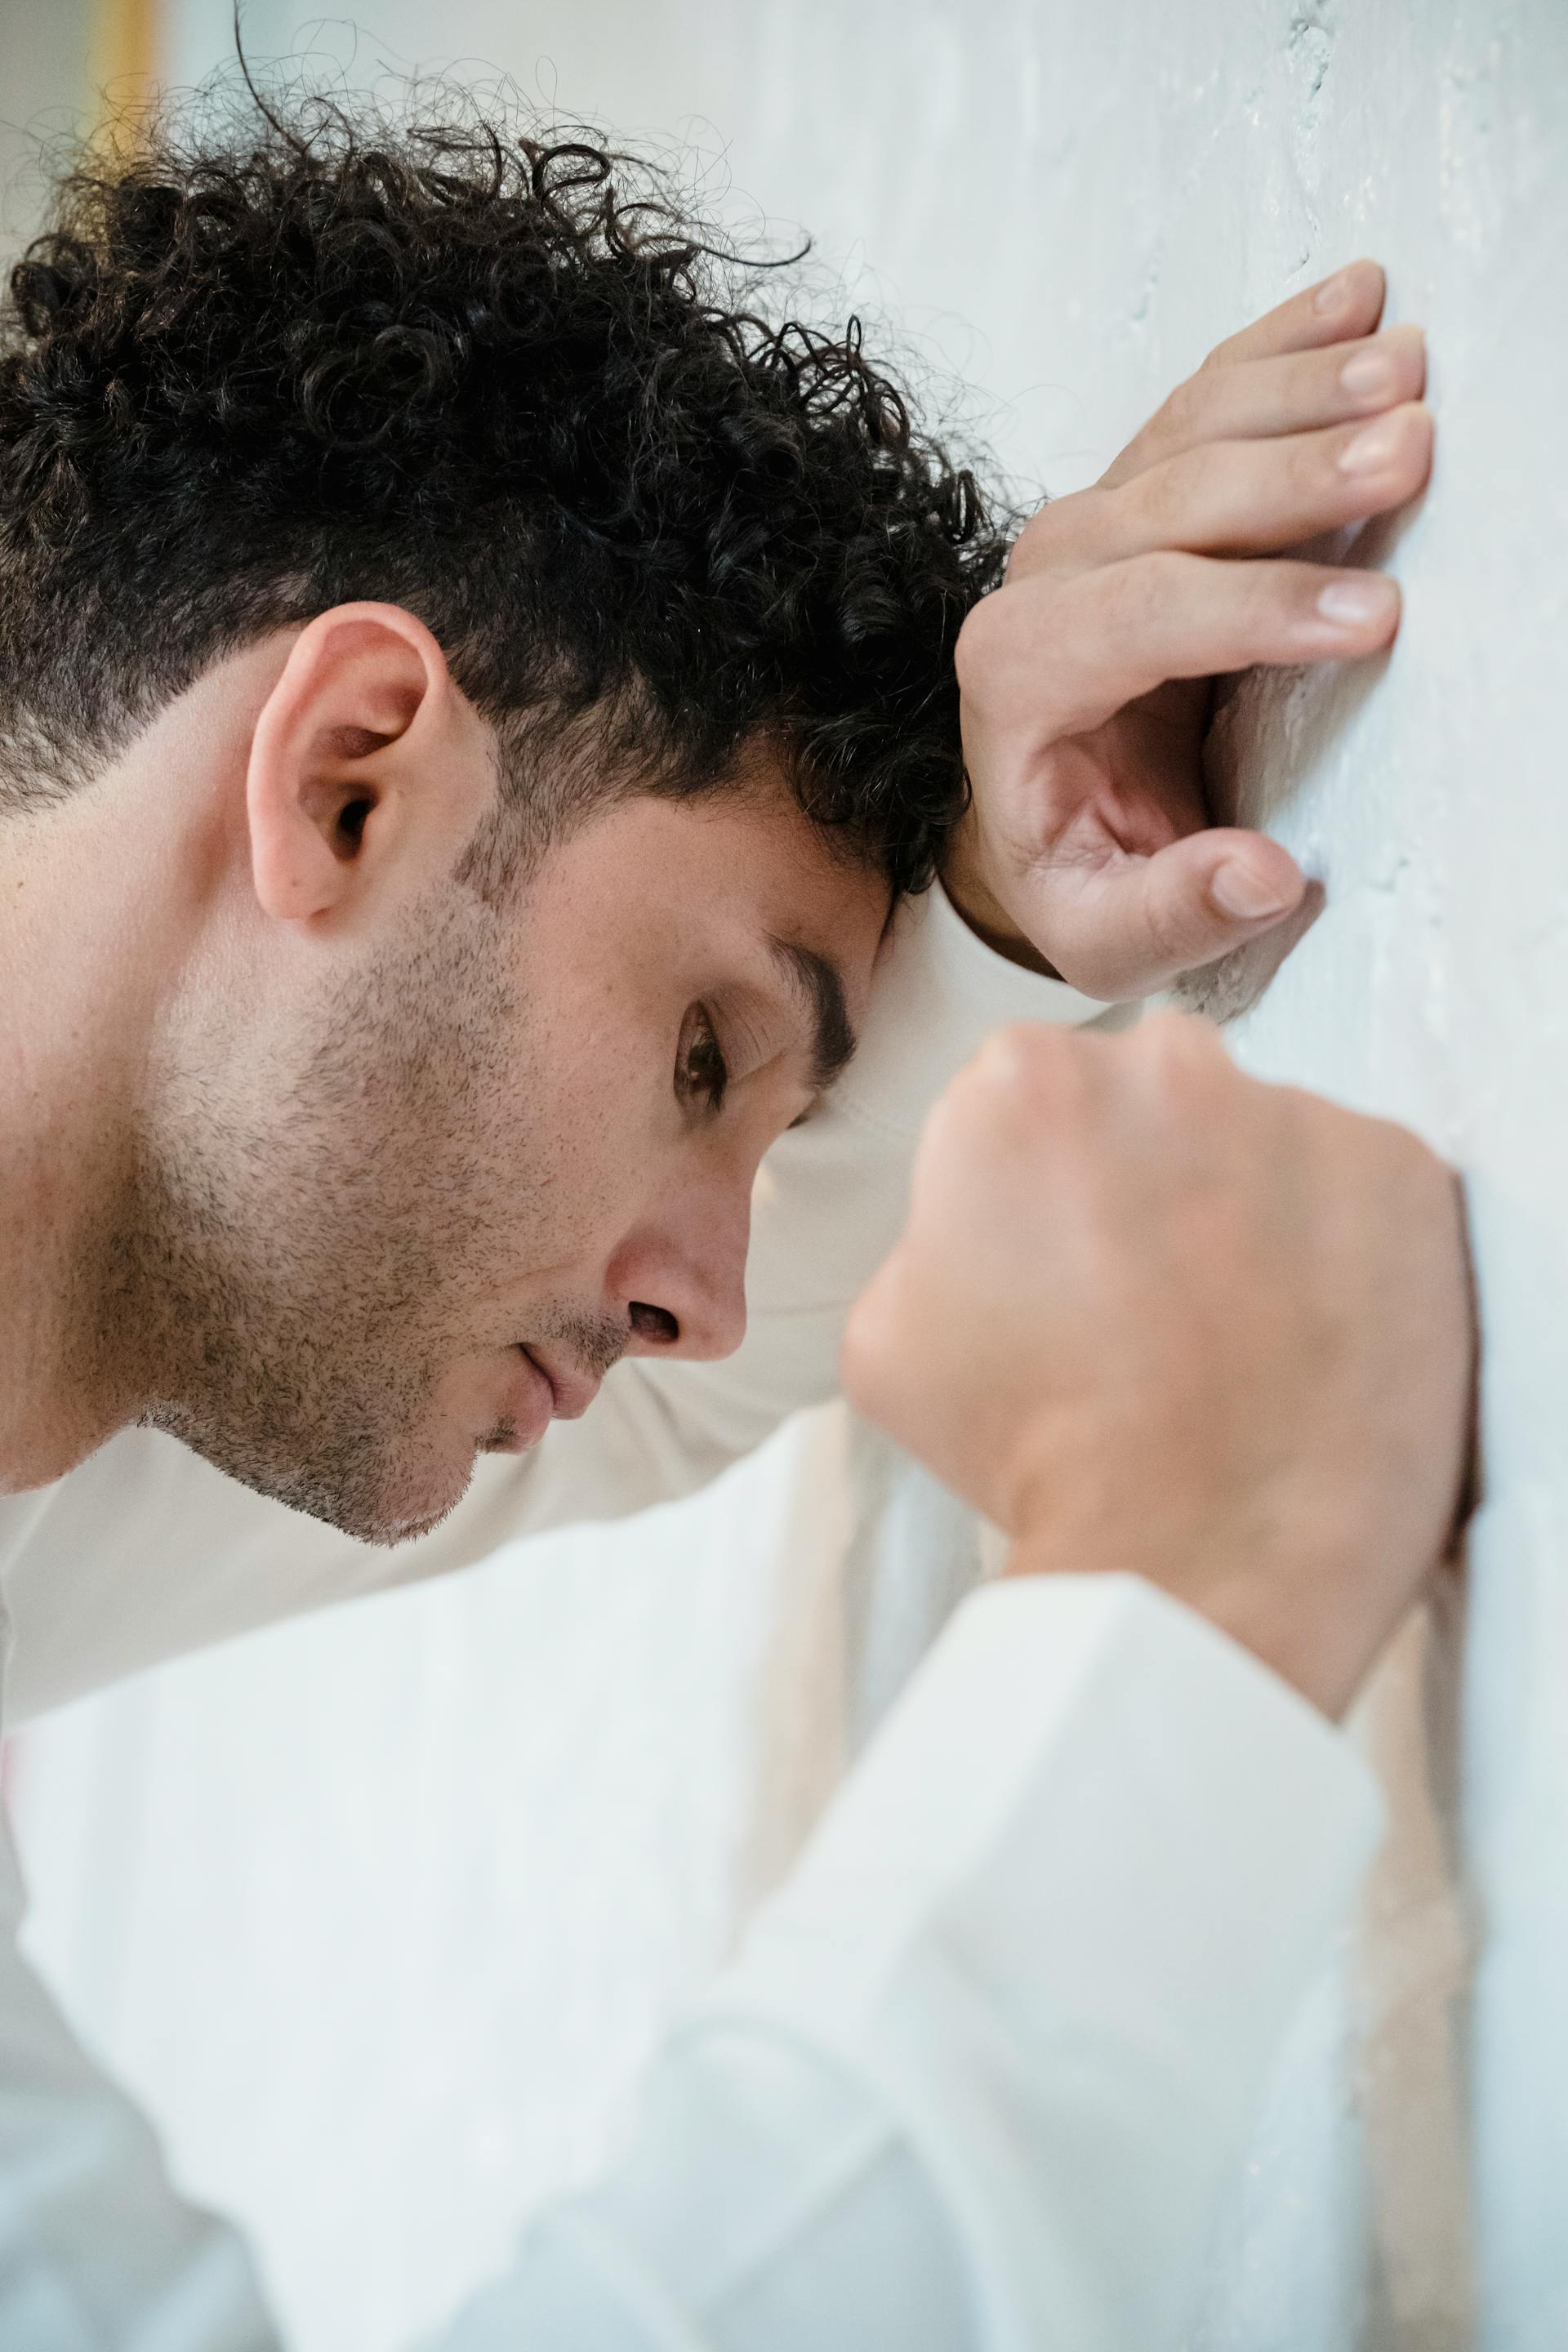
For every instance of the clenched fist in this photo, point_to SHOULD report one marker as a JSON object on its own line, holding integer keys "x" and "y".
{"x": 1150, "y": 1315}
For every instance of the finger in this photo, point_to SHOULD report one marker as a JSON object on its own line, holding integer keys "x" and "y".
{"x": 1132, "y": 925}
{"x": 1244, "y": 498}
{"x": 1069, "y": 652}
{"x": 1348, "y": 303}
{"x": 1299, "y": 393}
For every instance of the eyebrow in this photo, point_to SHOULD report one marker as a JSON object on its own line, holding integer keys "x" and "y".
{"x": 817, "y": 981}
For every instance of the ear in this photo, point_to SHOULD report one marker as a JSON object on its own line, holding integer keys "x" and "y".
{"x": 368, "y": 771}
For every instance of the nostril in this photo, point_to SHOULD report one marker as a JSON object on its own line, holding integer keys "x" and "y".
{"x": 654, "y": 1323}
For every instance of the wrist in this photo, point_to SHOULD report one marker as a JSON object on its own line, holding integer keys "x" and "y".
{"x": 964, "y": 879}
{"x": 1303, "y": 1616}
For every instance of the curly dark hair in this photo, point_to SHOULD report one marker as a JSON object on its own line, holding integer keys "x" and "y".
{"x": 507, "y": 382}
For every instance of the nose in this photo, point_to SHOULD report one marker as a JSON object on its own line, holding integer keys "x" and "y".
{"x": 682, "y": 1273}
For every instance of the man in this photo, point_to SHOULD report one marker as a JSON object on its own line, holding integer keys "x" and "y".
{"x": 476, "y": 707}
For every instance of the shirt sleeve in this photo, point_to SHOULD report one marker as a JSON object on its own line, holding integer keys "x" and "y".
{"x": 146, "y": 1552}
{"x": 978, "y": 2078}
{"x": 97, "y": 2253}
{"x": 972, "y": 2084}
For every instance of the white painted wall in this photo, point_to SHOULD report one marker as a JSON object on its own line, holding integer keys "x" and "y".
{"x": 43, "y": 86}
{"x": 1070, "y": 203}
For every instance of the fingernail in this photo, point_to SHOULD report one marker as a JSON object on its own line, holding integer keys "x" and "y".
{"x": 1357, "y": 603}
{"x": 1331, "y": 293}
{"x": 1368, "y": 377}
{"x": 1374, "y": 449}
{"x": 1236, "y": 890}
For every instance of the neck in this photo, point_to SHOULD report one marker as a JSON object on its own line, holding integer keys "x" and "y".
{"x": 104, "y": 901}
{"x": 73, "y": 1035}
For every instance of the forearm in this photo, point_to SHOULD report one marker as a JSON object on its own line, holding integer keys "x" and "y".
{"x": 976, "y": 2081}
{"x": 973, "y": 2084}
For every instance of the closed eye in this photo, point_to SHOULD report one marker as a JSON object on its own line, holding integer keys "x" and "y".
{"x": 702, "y": 1073}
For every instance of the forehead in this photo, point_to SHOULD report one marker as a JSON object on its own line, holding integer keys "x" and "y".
{"x": 725, "y": 873}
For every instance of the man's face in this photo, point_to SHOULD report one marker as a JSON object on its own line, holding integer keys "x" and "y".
{"x": 410, "y": 1225}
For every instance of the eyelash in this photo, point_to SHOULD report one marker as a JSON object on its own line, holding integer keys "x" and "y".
{"x": 702, "y": 1070}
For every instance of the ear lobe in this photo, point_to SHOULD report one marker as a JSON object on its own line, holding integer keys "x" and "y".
{"x": 357, "y": 780}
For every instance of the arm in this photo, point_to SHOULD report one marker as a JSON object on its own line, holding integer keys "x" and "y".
{"x": 97, "y": 2253}
{"x": 1148, "y": 1316}
{"x": 978, "y": 2078}
{"x": 955, "y": 2097}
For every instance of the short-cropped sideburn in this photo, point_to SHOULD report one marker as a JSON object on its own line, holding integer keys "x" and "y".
{"x": 504, "y": 381}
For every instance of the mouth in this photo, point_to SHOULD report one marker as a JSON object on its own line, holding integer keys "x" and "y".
{"x": 527, "y": 1409}
{"x": 572, "y": 1391}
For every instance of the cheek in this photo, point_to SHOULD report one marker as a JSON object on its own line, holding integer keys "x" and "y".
{"x": 567, "y": 1171}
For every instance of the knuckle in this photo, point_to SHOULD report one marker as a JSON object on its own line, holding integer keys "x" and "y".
{"x": 1028, "y": 549}
{"x": 1142, "y": 591}
{"x": 1163, "y": 494}
{"x": 1004, "y": 1051}
{"x": 1033, "y": 1050}
{"x": 952, "y": 1121}
{"x": 1187, "y": 1067}
{"x": 1004, "y": 636}
{"x": 1057, "y": 534}
{"x": 869, "y": 1343}
{"x": 1395, "y": 1146}
{"x": 1185, "y": 407}
{"x": 1385, "y": 1159}
{"x": 1316, "y": 1126}
{"x": 1181, "y": 1040}
{"x": 1030, "y": 1075}
{"x": 1416, "y": 1202}
{"x": 1178, "y": 490}
{"x": 1426, "y": 1177}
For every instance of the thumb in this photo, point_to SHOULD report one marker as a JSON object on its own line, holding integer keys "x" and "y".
{"x": 1132, "y": 925}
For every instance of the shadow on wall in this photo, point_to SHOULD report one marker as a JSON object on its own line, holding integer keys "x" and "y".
{"x": 1271, "y": 730}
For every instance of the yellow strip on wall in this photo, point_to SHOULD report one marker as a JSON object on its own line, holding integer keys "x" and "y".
{"x": 124, "y": 58}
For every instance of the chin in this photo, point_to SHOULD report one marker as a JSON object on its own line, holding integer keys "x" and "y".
{"x": 388, "y": 1492}
{"x": 413, "y": 1507}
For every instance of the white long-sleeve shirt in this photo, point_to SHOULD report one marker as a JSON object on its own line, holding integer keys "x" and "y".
{"x": 977, "y": 2075}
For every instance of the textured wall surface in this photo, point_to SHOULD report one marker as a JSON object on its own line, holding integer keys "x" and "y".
{"x": 1068, "y": 203}
{"x": 43, "y": 55}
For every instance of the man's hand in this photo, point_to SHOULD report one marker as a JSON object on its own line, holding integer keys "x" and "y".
{"x": 1087, "y": 680}
{"x": 1150, "y": 1315}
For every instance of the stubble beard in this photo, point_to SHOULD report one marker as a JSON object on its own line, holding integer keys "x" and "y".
{"x": 283, "y": 1281}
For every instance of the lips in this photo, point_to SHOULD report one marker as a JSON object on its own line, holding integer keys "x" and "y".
{"x": 528, "y": 1406}
{"x": 572, "y": 1391}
